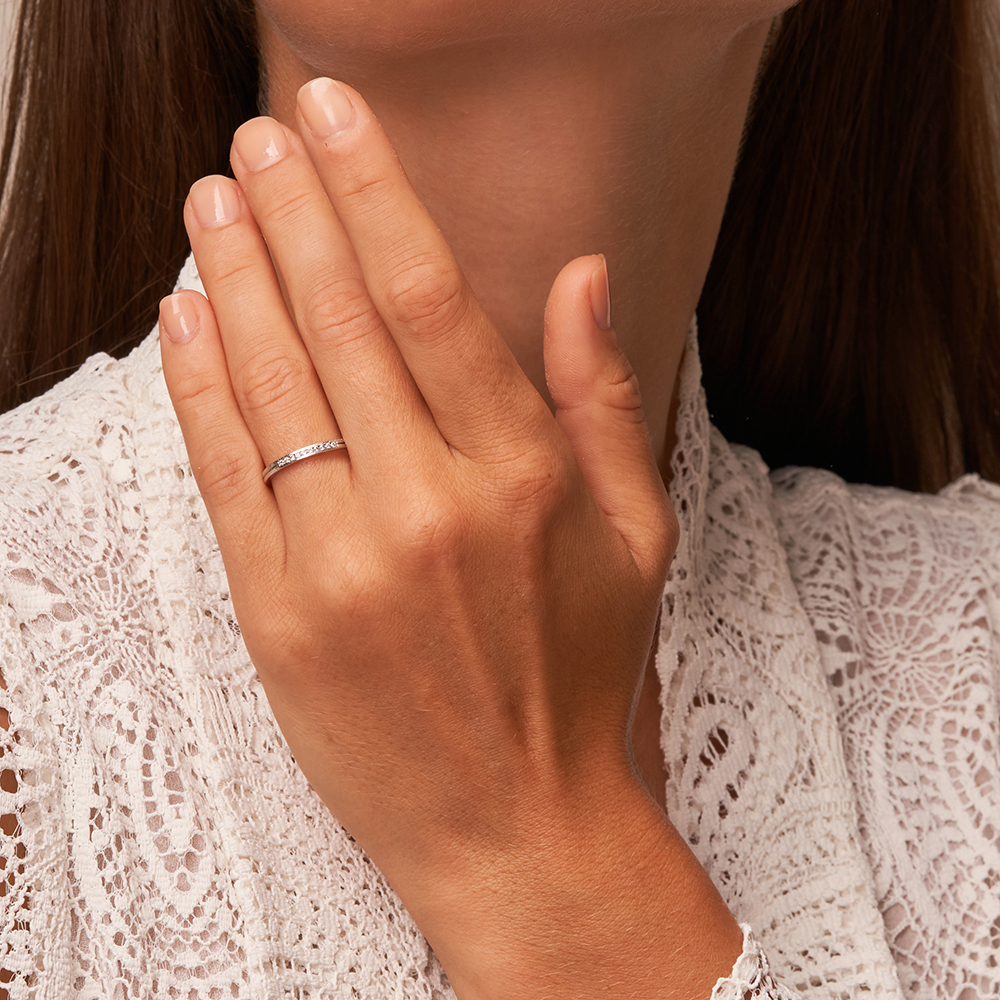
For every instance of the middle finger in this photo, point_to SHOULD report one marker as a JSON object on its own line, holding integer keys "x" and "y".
{"x": 377, "y": 404}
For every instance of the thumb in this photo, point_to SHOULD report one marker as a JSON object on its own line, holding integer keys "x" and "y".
{"x": 599, "y": 408}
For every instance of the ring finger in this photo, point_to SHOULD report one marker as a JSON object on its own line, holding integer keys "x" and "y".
{"x": 274, "y": 382}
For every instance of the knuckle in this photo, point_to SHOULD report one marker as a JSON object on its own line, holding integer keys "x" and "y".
{"x": 538, "y": 485}
{"x": 358, "y": 588}
{"x": 336, "y": 309}
{"x": 622, "y": 392}
{"x": 426, "y": 293}
{"x": 429, "y": 525}
{"x": 266, "y": 381}
{"x": 547, "y": 493}
{"x": 366, "y": 186}
{"x": 345, "y": 583}
{"x": 194, "y": 391}
{"x": 226, "y": 476}
{"x": 296, "y": 205}
{"x": 658, "y": 538}
{"x": 233, "y": 270}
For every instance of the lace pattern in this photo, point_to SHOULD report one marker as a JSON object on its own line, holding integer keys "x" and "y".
{"x": 757, "y": 780}
{"x": 829, "y": 660}
{"x": 751, "y": 977}
{"x": 904, "y": 592}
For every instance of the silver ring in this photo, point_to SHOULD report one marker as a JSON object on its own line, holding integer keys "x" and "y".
{"x": 296, "y": 456}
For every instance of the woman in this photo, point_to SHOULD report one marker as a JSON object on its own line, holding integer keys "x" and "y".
{"x": 450, "y": 607}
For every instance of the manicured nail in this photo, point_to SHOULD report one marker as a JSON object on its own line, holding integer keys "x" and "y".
{"x": 326, "y": 107}
{"x": 215, "y": 201}
{"x": 600, "y": 295}
{"x": 179, "y": 318}
{"x": 260, "y": 142}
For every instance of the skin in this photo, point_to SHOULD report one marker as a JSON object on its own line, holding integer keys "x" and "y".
{"x": 451, "y": 618}
{"x": 624, "y": 136}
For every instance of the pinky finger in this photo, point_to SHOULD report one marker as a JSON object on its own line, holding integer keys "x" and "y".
{"x": 223, "y": 454}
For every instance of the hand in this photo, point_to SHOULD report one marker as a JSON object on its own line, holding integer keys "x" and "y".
{"x": 450, "y": 619}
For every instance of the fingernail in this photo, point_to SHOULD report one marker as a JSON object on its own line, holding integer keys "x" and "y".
{"x": 179, "y": 318}
{"x": 326, "y": 107}
{"x": 600, "y": 295}
{"x": 215, "y": 201}
{"x": 260, "y": 142}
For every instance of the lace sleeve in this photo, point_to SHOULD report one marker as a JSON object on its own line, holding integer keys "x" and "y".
{"x": 751, "y": 977}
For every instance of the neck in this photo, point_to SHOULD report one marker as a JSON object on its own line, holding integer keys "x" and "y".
{"x": 529, "y": 151}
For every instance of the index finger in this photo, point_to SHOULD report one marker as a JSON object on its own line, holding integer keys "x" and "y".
{"x": 458, "y": 359}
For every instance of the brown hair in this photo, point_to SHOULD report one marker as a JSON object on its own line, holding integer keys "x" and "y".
{"x": 851, "y": 317}
{"x": 114, "y": 108}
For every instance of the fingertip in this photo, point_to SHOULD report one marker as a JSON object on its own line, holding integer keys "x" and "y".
{"x": 572, "y": 283}
{"x": 257, "y": 144}
{"x": 180, "y": 316}
{"x": 326, "y": 107}
{"x": 581, "y": 295}
{"x": 212, "y": 202}
{"x": 579, "y": 343}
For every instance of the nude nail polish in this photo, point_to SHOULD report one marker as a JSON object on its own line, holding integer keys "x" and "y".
{"x": 260, "y": 142}
{"x": 326, "y": 107}
{"x": 600, "y": 295}
{"x": 179, "y": 318}
{"x": 215, "y": 201}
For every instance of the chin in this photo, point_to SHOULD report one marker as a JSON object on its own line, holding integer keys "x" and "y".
{"x": 325, "y": 33}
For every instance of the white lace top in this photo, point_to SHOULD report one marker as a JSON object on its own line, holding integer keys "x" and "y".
{"x": 830, "y": 661}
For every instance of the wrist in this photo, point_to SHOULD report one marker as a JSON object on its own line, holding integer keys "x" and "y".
{"x": 595, "y": 896}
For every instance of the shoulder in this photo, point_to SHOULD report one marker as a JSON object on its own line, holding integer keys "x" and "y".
{"x": 892, "y": 529}
{"x": 891, "y": 578}
{"x": 66, "y": 454}
{"x": 71, "y": 512}
{"x": 82, "y": 419}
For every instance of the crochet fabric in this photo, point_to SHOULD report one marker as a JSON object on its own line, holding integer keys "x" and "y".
{"x": 830, "y": 660}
